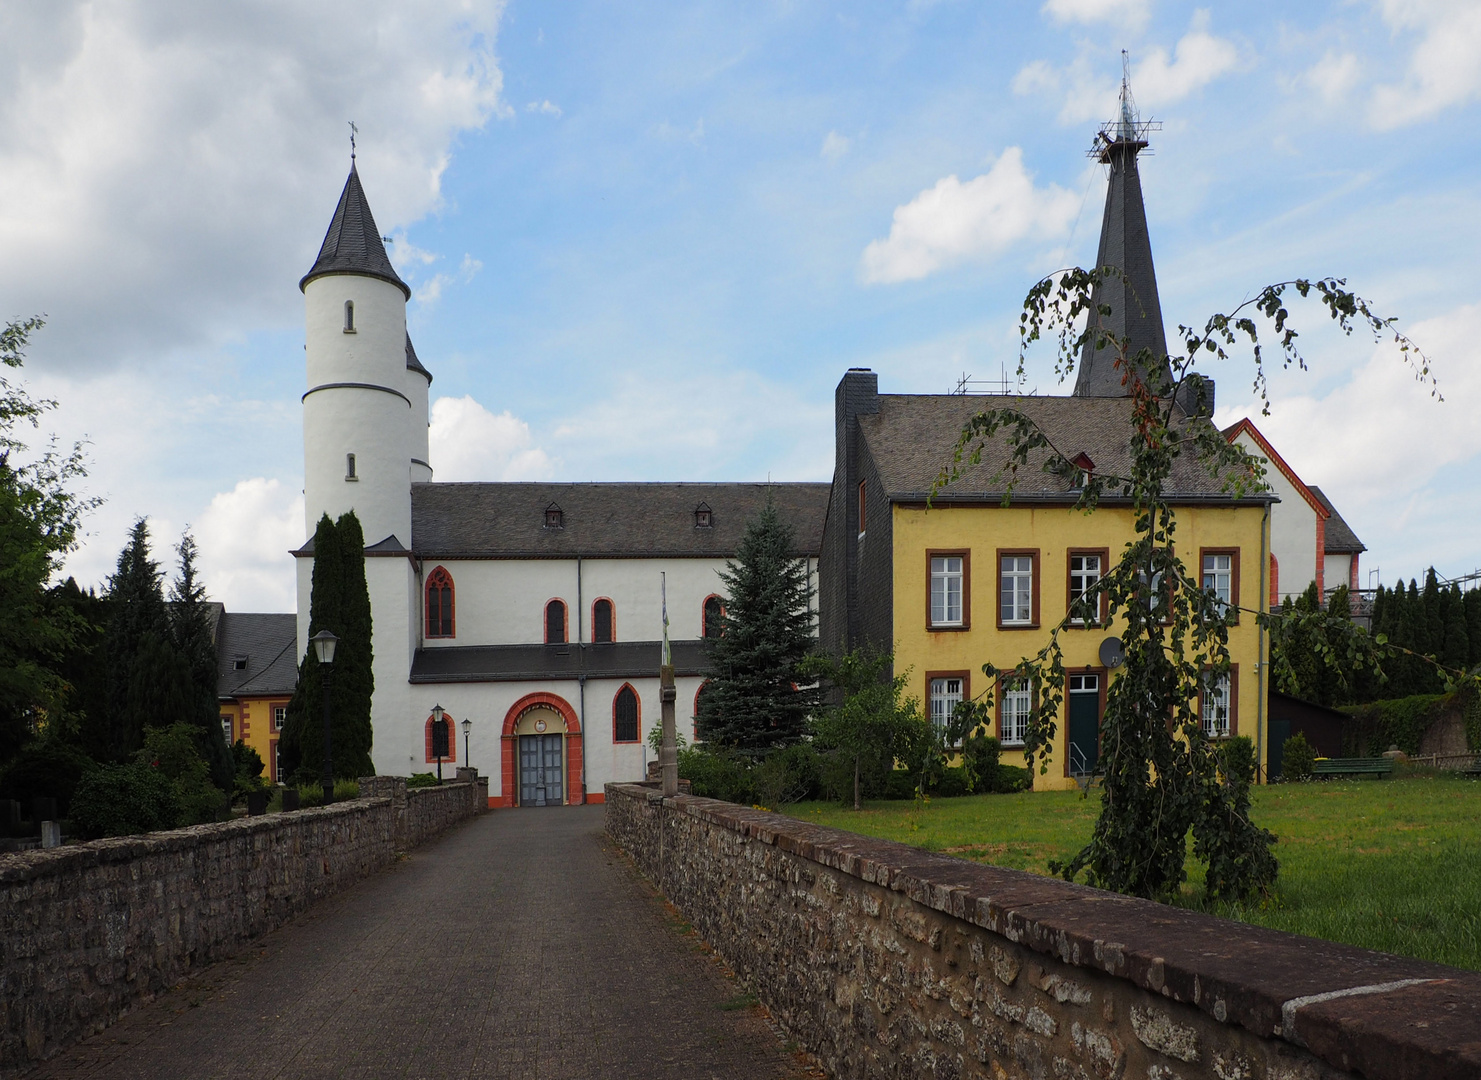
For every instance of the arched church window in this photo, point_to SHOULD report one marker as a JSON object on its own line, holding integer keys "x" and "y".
{"x": 349, "y": 316}
{"x": 699, "y": 704}
{"x": 601, "y": 622}
{"x": 625, "y": 726}
{"x": 714, "y": 612}
{"x": 440, "y": 604}
{"x": 555, "y": 622}
{"x": 350, "y": 467}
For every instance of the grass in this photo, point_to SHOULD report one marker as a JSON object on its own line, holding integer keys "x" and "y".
{"x": 1393, "y": 865}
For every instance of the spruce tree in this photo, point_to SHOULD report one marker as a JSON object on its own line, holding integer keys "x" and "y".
{"x": 339, "y": 603}
{"x": 1473, "y": 626}
{"x": 758, "y": 697}
{"x": 137, "y": 624}
{"x": 1457, "y": 652}
{"x": 192, "y": 632}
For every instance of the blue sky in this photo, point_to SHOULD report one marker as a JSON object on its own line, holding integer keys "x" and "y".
{"x": 646, "y": 239}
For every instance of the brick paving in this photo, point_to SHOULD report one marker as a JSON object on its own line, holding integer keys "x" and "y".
{"x": 519, "y": 945}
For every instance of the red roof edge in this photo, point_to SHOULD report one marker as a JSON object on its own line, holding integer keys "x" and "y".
{"x": 1246, "y": 425}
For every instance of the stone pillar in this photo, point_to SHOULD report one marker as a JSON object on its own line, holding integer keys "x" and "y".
{"x": 668, "y": 754}
{"x": 393, "y": 788}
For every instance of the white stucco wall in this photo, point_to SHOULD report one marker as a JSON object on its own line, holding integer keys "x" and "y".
{"x": 1292, "y": 527}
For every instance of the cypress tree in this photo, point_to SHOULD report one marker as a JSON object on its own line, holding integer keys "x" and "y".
{"x": 1457, "y": 651}
{"x": 758, "y": 697}
{"x": 137, "y": 623}
{"x": 1473, "y": 626}
{"x": 1434, "y": 615}
{"x": 192, "y": 633}
{"x": 339, "y": 603}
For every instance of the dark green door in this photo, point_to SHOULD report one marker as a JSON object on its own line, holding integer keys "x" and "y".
{"x": 1280, "y": 731}
{"x": 1084, "y": 724}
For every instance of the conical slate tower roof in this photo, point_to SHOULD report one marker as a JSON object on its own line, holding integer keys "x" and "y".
{"x": 413, "y": 364}
{"x": 1136, "y": 312}
{"x": 353, "y": 243}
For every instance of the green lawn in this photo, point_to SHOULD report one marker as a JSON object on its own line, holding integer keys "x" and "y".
{"x": 1386, "y": 864}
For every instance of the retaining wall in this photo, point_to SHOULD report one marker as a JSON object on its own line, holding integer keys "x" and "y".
{"x": 88, "y": 931}
{"x": 887, "y": 961}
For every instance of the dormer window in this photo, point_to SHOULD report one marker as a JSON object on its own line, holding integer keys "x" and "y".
{"x": 702, "y": 516}
{"x": 350, "y": 467}
{"x": 1083, "y": 468}
{"x": 239, "y": 663}
{"x": 349, "y": 316}
{"x": 554, "y": 519}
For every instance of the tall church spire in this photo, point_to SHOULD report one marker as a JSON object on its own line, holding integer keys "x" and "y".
{"x": 1136, "y": 313}
{"x": 353, "y": 243}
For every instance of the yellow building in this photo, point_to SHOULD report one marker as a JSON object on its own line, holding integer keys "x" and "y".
{"x": 965, "y": 581}
{"x": 256, "y": 676}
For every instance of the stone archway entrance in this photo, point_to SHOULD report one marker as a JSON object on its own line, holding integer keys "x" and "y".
{"x": 541, "y": 753}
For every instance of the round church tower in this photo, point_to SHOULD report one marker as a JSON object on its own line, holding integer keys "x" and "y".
{"x": 365, "y": 411}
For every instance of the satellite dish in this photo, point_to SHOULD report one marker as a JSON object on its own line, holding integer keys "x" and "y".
{"x": 1111, "y": 652}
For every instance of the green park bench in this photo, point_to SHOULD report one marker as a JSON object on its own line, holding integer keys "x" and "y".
{"x": 1352, "y": 766}
{"x": 1474, "y": 768}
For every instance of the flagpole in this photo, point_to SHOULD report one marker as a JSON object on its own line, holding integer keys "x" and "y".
{"x": 668, "y": 754}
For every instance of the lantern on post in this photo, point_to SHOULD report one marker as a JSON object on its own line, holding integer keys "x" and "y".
{"x": 467, "y": 727}
{"x": 324, "y": 644}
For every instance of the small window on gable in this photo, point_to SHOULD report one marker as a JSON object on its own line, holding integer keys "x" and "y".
{"x": 625, "y": 715}
{"x": 440, "y": 604}
{"x": 554, "y": 519}
{"x": 601, "y": 622}
{"x": 349, "y": 316}
{"x": 555, "y": 622}
{"x": 714, "y": 617}
{"x": 239, "y": 663}
{"x": 350, "y": 467}
{"x": 702, "y": 516}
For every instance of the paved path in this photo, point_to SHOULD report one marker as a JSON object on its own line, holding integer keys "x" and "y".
{"x": 519, "y": 945}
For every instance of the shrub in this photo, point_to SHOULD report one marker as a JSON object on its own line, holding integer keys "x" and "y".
{"x": 45, "y": 768}
{"x": 1237, "y": 761}
{"x": 120, "y": 800}
{"x": 980, "y": 760}
{"x": 248, "y": 771}
{"x": 420, "y": 779}
{"x": 1298, "y": 758}
{"x": 786, "y": 775}
{"x": 1013, "y": 778}
{"x": 344, "y": 790}
{"x": 174, "y": 752}
{"x": 716, "y": 774}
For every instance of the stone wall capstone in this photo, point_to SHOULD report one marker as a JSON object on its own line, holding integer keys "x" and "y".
{"x": 90, "y": 930}
{"x": 886, "y": 961}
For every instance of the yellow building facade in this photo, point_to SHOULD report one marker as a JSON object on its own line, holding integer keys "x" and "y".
{"x": 256, "y": 676}
{"x": 954, "y": 580}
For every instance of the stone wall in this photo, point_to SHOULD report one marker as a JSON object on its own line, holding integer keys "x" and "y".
{"x": 886, "y": 961}
{"x": 89, "y": 930}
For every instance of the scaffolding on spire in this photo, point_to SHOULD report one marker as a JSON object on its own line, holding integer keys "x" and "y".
{"x": 1128, "y": 129}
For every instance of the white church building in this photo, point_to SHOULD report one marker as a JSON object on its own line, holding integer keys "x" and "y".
{"x": 531, "y": 609}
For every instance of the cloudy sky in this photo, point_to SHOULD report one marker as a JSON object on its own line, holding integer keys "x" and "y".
{"x": 646, "y": 239}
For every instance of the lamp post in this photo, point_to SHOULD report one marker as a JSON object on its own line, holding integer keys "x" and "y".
{"x": 467, "y": 727}
{"x": 324, "y": 644}
{"x": 439, "y": 737}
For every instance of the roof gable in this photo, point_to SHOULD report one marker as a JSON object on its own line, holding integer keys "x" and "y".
{"x": 1247, "y": 427}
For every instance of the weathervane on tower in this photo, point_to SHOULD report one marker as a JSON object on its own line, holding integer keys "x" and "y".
{"x": 355, "y": 131}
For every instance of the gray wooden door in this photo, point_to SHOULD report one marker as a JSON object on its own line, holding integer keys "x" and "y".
{"x": 540, "y": 768}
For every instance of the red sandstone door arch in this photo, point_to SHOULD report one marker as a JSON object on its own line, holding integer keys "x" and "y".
{"x": 509, "y": 748}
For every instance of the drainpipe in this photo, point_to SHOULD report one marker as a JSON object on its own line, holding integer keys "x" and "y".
{"x": 581, "y": 675}
{"x": 1261, "y": 667}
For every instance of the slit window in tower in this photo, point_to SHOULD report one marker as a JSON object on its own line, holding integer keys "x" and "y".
{"x": 350, "y": 467}
{"x": 349, "y": 316}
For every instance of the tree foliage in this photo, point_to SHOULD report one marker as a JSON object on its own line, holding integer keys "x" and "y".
{"x": 340, "y": 603}
{"x": 1163, "y": 777}
{"x": 192, "y": 630}
{"x": 759, "y": 696}
{"x": 872, "y": 724}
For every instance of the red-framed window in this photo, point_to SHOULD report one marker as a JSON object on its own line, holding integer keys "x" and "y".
{"x": 603, "y": 622}
{"x": 713, "y": 621}
{"x": 627, "y": 723}
{"x": 555, "y": 623}
{"x": 440, "y": 623}
{"x": 452, "y": 740}
{"x": 699, "y": 696}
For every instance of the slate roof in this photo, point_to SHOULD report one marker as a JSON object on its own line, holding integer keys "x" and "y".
{"x": 913, "y": 436}
{"x": 353, "y": 243}
{"x": 1341, "y": 539}
{"x": 413, "y": 364}
{"x": 268, "y": 642}
{"x": 516, "y": 663}
{"x": 621, "y": 520}
{"x": 1136, "y": 310}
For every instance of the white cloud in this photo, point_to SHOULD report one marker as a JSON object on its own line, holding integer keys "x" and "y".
{"x": 1124, "y": 12}
{"x": 1334, "y": 76}
{"x": 1445, "y": 66}
{"x": 953, "y": 221}
{"x": 166, "y": 173}
{"x": 834, "y": 146}
{"x": 467, "y": 442}
{"x": 1088, "y": 92}
{"x": 244, "y": 537}
{"x": 547, "y": 107}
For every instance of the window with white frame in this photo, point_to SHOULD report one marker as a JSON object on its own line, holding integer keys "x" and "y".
{"x": 1218, "y": 577}
{"x": 1216, "y": 705}
{"x": 1016, "y": 591}
{"x": 226, "y": 726}
{"x": 280, "y": 717}
{"x": 1085, "y": 571}
{"x": 946, "y": 590}
{"x": 1013, "y": 714}
{"x": 277, "y": 763}
{"x": 946, "y": 695}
